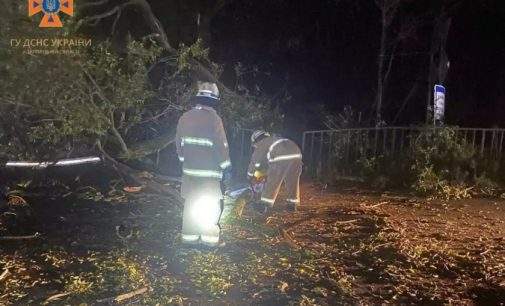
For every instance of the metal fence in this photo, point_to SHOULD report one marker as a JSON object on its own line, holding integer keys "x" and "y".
{"x": 335, "y": 152}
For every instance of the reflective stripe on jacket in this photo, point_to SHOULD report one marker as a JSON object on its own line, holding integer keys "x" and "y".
{"x": 201, "y": 143}
{"x": 270, "y": 150}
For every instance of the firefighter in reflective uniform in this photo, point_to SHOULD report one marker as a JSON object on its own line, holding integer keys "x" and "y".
{"x": 282, "y": 159}
{"x": 202, "y": 148}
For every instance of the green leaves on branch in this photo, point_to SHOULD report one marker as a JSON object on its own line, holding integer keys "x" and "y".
{"x": 63, "y": 100}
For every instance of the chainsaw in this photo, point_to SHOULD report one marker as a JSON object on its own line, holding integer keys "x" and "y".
{"x": 252, "y": 190}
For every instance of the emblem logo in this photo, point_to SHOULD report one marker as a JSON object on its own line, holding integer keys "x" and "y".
{"x": 51, "y": 10}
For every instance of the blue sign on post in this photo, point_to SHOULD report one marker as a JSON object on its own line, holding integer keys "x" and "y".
{"x": 439, "y": 104}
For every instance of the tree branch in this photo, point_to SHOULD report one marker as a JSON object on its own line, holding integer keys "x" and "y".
{"x": 406, "y": 101}
{"x": 127, "y": 171}
{"x": 88, "y": 5}
{"x": 145, "y": 9}
{"x": 11, "y": 238}
{"x": 390, "y": 64}
{"x": 119, "y": 138}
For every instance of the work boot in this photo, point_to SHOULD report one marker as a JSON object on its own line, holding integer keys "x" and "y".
{"x": 190, "y": 240}
{"x": 260, "y": 207}
{"x": 210, "y": 236}
{"x": 209, "y": 241}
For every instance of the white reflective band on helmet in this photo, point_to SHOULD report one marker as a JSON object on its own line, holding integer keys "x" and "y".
{"x": 273, "y": 146}
{"x": 271, "y": 201}
{"x": 257, "y": 134}
{"x": 208, "y": 94}
{"x": 292, "y": 200}
{"x": 198, "y": 141}
{"x": 190, "y": 237}
{"x": 225, "y": 164}
{"x": 285, "y": 157}
{"x": 202, "y": 173}
{"x": 210, "y": 239}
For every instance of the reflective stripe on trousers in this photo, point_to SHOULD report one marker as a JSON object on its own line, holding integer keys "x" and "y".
{"x": 269, "y": 201}
{"x": 210, "y": 239}
{"x": 190, "y": 238}
{"x": 200, "y": 223}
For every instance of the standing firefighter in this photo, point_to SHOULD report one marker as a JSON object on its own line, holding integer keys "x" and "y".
{"x": 282, "y": 159}
{"x": 203, "y": 149}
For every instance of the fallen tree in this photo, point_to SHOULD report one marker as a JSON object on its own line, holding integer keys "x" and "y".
{"x": 125, "y": 97}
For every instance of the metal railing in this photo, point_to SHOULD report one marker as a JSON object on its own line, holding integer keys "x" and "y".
{"x": 326, "y": 150}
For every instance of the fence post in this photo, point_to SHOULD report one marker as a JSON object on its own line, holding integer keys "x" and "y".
{"x": 473, "y": 139}
{"x": 493, "y": 144}
{"x": 375, "y": 142}
{"x": 329, "y": 161}
{"x": 384, "y": 137}
{"x": 303, "y": 142}
{"x": 402, "y": 136}
{"x": 501, "y": 144}
{"x": 482, "y": 142}
{"x": 311, "y": 162}
{"x": 320, "y": 159}
{"x": 393, "y": 141}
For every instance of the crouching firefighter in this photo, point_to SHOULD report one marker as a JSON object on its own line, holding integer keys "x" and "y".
{"x": 282, "y": 160}
{"x": 202, "y": 148}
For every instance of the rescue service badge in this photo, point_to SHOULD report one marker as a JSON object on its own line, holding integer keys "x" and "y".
{"x": 51, "y": 10}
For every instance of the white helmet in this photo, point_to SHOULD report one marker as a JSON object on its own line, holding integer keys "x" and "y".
{"x": 257, "y": 134}
{"x": 207, "y": 89}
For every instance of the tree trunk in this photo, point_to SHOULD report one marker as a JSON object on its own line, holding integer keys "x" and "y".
{"x": 439, "y": 61}
{"x": 204, "y": 29}
{"x": 380, "y": 72}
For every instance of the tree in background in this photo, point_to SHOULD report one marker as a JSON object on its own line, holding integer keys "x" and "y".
{"x": 439, "y": 60}
{"x": 388, "y": 10}
{"x": 121, "y": 98}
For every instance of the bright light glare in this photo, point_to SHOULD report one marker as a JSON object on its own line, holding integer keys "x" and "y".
{"x": 205, "y": 211}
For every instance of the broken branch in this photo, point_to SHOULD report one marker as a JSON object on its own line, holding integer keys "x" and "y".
{"x": 55, "y": 297}
{"x": 346, "y": 222}
{"x": 124, "y": 297}
{"x": 36, "y": 235}
{"x": 4, "y": 275}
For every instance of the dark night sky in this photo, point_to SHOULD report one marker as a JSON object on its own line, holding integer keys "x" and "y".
{"x": 326, "y": 54}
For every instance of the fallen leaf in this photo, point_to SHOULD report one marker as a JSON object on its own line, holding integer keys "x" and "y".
{"x": 132, "y": 189}
{"x": 283, "y": 286}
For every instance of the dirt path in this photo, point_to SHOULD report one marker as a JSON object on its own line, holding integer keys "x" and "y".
{"x": 407, "y": 249}
{"x": 341, "y": 247}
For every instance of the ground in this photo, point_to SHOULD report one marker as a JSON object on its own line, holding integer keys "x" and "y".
{"x": 343, "y": 246}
